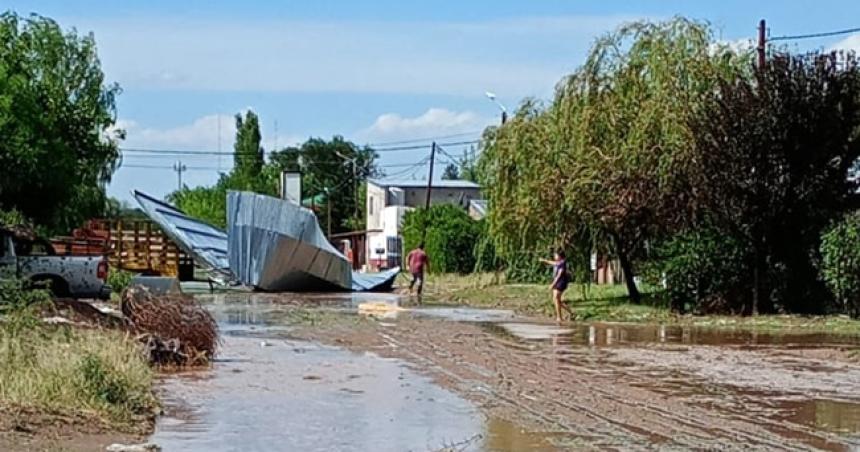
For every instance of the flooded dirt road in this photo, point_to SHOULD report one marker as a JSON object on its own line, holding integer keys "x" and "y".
{"x": 268, "y": 391}
{"x": 483, "y": 379}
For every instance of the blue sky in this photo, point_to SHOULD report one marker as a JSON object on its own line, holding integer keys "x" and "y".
{"x": 374, "y": 72}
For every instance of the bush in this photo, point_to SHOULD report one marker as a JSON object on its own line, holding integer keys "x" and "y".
{"x": 20, "y": 305}
{"x": 840, "y": 252}
{"x": 703, "y": 269}
{"x": 119, "y": 279}
{"x": 450, "y": 238}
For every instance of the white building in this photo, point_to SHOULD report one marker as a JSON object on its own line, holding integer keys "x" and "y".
{"x": 387, "y": 202}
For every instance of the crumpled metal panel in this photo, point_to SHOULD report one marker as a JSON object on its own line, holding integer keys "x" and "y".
{"x": 374, "y": 282}
{"x": 206, "y": 244}
{"x": 273, "y": 245}
{"x": 276, "y": 245}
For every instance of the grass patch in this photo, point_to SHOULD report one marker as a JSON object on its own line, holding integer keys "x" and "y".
{"x": 609, "y": 303}
{"x": 98, "y": 373}
{"x": 604, "y": 303}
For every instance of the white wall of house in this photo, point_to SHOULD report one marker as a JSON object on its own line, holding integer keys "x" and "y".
{"x": 386, "y": 206}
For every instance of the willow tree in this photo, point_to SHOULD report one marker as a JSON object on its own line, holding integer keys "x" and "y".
{"x": 605, "y": 163}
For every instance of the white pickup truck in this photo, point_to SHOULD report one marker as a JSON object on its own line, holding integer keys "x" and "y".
{"x": 34, "y": 260}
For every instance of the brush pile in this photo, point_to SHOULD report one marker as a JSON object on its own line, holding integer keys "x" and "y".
{"x": 174, "y": 329}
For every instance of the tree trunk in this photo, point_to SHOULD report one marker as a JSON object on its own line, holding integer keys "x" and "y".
{"x": 627, "y": 269}
{"x": 761, "y": 303}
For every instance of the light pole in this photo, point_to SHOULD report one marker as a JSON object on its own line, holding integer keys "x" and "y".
{"x": 492, "y": 97}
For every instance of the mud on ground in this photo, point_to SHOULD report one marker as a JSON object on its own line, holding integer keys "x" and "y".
{"x": 27, "y": 429}
{"x": 670, "y": 396}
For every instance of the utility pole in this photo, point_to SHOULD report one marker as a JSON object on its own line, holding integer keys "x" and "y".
{"x": 355, "y": 182}
{"x": 762, "y": 42}
{"x": 179, "y": 168}
{"x": 430, "y": 178}
{"x": 328, "y": 207}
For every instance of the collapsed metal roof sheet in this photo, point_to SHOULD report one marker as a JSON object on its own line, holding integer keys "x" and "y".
{"x": 277, "y": 245}
{"x": 206, "y": 244}
{"x": 273, "y": 245}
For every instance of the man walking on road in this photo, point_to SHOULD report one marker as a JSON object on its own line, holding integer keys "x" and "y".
{"x": 418, "y": 262}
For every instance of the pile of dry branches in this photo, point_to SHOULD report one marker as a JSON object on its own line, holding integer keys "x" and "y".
{"x": 174, "y": 329}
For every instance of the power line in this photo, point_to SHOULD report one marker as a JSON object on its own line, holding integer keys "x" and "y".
{"x": 815, "y": 35}
{"x": 216, "y": 153}
{"x": 212, "y": 168}
{"x": 431, "y": 139}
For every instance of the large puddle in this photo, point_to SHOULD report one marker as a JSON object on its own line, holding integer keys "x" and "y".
{"x": 268, "y": 392}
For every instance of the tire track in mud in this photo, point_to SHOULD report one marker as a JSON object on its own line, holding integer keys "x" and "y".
{"x": 584, "y": 392}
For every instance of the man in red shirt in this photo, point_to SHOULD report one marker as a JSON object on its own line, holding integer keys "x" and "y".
{"x": 418, "y": 262}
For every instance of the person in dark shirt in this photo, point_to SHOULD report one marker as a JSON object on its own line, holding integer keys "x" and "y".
{"x": 418, "y": 262}
{"x": 560, "y": 281}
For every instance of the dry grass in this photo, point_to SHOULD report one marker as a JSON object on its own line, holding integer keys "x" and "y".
{"x": 100, "y": 374}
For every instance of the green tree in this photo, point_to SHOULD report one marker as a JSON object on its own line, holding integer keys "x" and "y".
{"x": 449, "y": 235}
{"x": 451, "y": 172}
{"x": 773, "y": 154}
{"x": 468, "y": 165}
{"x": 205, "y": 203}
{"x": 603, "y": 165}
{"x": 248, "y": 154}
{"x": 56, "y": 117}
{"x": 337, "y": 169}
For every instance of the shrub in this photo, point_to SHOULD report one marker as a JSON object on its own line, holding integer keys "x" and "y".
{"x": 840, "y": 252}
{"x": 21, "y": 304}
{"x": 703, "y": 269}
{"x": 119, "y": 279}
{"x": 450, "y": 238}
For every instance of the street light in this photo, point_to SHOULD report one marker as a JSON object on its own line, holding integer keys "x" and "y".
{"x": 492, "y": 97}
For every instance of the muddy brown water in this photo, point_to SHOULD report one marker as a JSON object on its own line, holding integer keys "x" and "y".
{"x": 268, "y": 391}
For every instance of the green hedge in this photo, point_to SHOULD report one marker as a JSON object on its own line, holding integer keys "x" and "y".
{"x": 451, "y": 237}
{"x": 840, "y": 252}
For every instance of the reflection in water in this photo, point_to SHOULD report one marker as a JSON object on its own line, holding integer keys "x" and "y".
{"x": 296, "y": 395}
{"x": 502, "y": 435}
{"x": 616, "y": 334}
{"x": 828, "y": 415}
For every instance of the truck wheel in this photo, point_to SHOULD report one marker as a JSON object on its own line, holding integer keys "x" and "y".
{"x": 57, "y": 286}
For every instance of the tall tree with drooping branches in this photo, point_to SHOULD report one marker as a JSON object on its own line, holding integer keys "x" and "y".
{"x": 604, "y": 164}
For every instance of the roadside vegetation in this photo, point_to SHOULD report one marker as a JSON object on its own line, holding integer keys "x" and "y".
{"x": 691, "y": 165}
{"x": 609, "y": 303}
{"x": 99, "y": 375}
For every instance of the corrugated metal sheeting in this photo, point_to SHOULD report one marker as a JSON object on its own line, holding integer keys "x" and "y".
{"x": 271, "y": 244}
{"x": 203, "y": 242}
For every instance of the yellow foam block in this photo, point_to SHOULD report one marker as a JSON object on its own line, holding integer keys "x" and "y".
{"x": 379, "y": 307}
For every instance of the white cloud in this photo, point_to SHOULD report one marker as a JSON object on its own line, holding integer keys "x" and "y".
{"x": 433, "y": 122}
{"x": 201, "y": 134}
{"x": 850, "y": 43}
